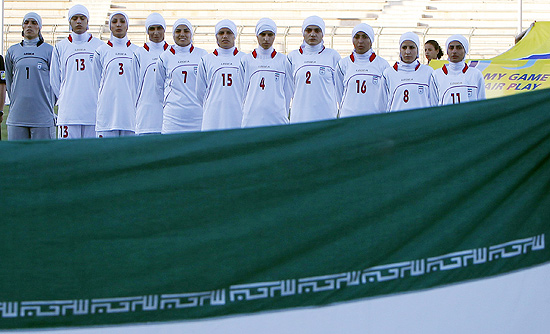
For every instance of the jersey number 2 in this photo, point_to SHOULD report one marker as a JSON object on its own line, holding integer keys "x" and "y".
{"x": 308, "y": 78}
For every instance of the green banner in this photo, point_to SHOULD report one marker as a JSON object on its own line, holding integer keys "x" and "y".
{"x": 160, "y": 228}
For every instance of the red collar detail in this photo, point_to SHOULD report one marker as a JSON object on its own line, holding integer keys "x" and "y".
{"x": 234, "y": 52}
{"x": 446, "y": 71}
{"x": 70, "y": 38}
{"x": 146, "y": 47}
{"x": 396, "y": 66}
{"x": 372, "y": 57}
{"x": 302, "y": 51}
{"x": 255, "y": 54}
{"x": 172, "y": 50}
{"x": 111, "y": 44}
{"x": 191, "y": 48}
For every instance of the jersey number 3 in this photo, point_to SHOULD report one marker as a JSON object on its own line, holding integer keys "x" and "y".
{"x": 121, "y": 68}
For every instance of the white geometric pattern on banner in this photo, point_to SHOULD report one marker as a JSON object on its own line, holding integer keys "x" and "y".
{"x": 261, "y": 290}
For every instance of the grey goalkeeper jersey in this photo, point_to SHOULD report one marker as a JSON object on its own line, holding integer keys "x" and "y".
{"x": 28, "y": 85}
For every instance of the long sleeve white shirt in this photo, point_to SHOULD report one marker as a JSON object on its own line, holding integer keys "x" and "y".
{"x": 360, "y": 78}
{"x": 406, "y": 86}
{"x": 149, "y": 100}
{"x": 116, "y": 70}
{"x": 220, "y": 89}
{"x": 72, "y": 79}
{"x": 315, "y": 84}
{"x": 177, "y": 77}
{"x": 267, "y": 88}
{"x": 457, "y": 83}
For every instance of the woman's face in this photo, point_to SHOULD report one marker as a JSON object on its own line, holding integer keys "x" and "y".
{"x": 31, "y": 29}
{"x": 430, "y": 51}
{"x": 313, "y": 35}
{"x": 119, "y": 26}
{"x": 409, "y": 52}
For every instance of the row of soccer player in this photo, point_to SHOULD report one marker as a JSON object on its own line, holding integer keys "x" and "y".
{"x": 118, "y": 89}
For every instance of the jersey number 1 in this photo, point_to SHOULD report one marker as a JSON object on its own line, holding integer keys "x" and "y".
{"x": 457, "y": 97}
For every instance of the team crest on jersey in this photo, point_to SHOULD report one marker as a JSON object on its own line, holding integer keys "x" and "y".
{"x": 195, "y": 69}
{"x": 470, "y": 92}
{"x": 39, "y": 65}
{"x": 375, "y": 80}
{"x": 322, "y": 70}
{"x": 277, "y": 76}
{"x": 420, "y": 90}
{"x": 91, "y": 57}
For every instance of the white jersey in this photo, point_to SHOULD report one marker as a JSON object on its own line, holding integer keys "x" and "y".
{"x": 315, "y": 93}
{"x": 72, "y": 79}
{"x": 360, "y": 77}
{"x": 117, "y": 70}
{"x": 177, "y": 78}
{"x": 220, "y": 89}
{"x": 464, "y": 84}
{"x": 267, "y": 88}
{"x": 149, "y": 100}
{"x": 406, "y": 86}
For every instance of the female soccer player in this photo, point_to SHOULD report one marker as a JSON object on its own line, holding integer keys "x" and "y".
{"x": 116, "y": 70}
{"x": 267, "y": 80}
{"x": 72, "y": 78}
{"x": 360, "y": 75}
{"x": 219, "y": 83}
{"x": 406, "y": 84}
{"x": 457, "y": 82}
{"x": 149, "y": 103}
{"x": 313, "y": 68}
{"x": 28, "y": 83}
{"x": 177, "y": 78}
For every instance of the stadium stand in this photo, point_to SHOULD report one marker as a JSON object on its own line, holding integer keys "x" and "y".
{"x": 490, "y": 25}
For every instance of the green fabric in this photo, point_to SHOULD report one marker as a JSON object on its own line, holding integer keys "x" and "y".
{"x": 160, "y": 228}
